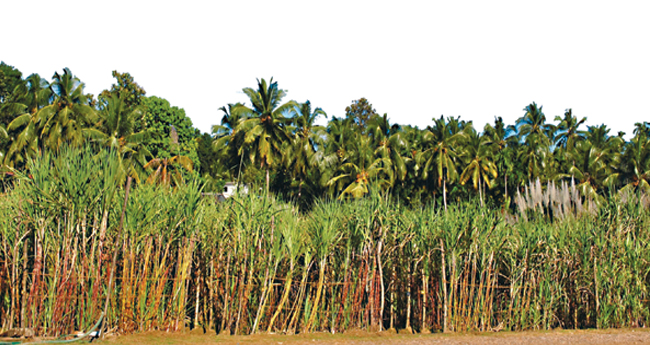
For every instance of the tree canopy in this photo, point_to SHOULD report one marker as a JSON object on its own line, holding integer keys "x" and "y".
{"x": 274, "y": 142}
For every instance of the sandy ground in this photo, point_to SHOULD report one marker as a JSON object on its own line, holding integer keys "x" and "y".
{"x": 570, "y": 337}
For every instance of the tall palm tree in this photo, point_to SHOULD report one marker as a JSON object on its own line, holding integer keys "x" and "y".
{"x": 379, "y": 128}
{"x": 533, "y": 157}
{"x": 359, "y": 168}
{"x": 115, "y": 129}
{"x": 23, "y": 135}
{"x": 34, "y": 94}
{"x": 642, "y": 128}
{"x": 633, "y": 172}
{"x": 440, "y": 154}
{"x": 302, "y": 147}
{"x": 478, "y": 159}
{"x": 590, "y": 169}
{"x": 412, "y": 186}
{"x": 228, "y": 141}
{"x": 265, "y": 124}
{"x": 390, "y": 148}
{"x": 340, "y": 134}
{"x": 30, "y": 98}
{"x": 331, "y": 150}
{"x": 568, "y": 133}
{"x": 500, "y": 141}
{"x": 599, "y": 137}
{"x": 64, "y": 119}
{"x": 533, "y": 127}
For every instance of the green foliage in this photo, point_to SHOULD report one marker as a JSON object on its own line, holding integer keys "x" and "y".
{"x": 207, "y": 157}
{"x": 130, "y": 91}
{"x": 10, "y": 78}
{"x": 159, "y": 118}
{"x": 268, "y": 142}
{"x": 10, "y": 81}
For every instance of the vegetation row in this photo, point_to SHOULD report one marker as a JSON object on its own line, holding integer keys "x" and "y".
{"x": 280, "y": 147}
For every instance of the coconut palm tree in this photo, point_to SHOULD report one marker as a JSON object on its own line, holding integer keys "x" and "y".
{"x": 500, "y": 141}
{"x": 412, "y": 187}
{"x": 533, "y": 157}
{"x": 642, "y": 128}
{"x": 265, "y": 124}
{"x": 440, "y": 154}
{"x": 23, "y": 133}
{"x": 590, "y": 169}
{"x": 23, "y": 130}
{"x": 34, "y": 94}
{"x": 302, "y": 147}
{"x": 478, "y": 159}
{"x": 359, "y": 167}
{"x": 390, "y": 148}
{"x": 115, "y": 130}
{"x": 228, "y": 142}
{"x": 599, "y": 137}
{"x": 332, "y": 149}
{"x": 532, "y": 127}
{"x": 378, "y": 127}
{"x": 64, "y": 119}
{"x": 568, "y": 133}
{"x": 633, "y": 172}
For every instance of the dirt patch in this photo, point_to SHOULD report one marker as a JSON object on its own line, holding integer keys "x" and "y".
{"x": 569, "y": 337}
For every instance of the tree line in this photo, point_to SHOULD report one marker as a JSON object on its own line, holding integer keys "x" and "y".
{"x": 278, "y": 146}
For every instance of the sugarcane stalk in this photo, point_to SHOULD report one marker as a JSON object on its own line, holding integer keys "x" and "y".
{"x": 303, "y": 286}
{"x": 319, "y": 290}
{"x": 268, "y": 284}
{"x": 408, "y": 297}
{"x": 114, "y": 262}
{"x": 381, "y": 285}
{"x": 285, "y": 295}
{"x": 445, "y": 307}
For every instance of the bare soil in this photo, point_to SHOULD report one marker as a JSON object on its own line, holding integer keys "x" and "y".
{"x": 569, "y": 337}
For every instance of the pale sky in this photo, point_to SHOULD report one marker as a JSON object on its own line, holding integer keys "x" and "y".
{"x": 413, "y": 60}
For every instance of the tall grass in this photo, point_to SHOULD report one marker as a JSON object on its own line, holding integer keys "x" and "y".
{"x": 253, "y": 264}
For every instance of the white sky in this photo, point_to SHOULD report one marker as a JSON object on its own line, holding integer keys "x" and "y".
{"x": 413, "y": 60}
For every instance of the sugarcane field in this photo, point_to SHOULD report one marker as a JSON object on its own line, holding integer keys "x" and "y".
{"x": 81, "y": 245}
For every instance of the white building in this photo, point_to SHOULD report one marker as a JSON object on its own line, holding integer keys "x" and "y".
{"x": 231, "y": 188}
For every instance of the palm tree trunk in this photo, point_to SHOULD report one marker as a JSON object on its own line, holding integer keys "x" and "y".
{"x": 480, "y": 186}
{"x": 268, "y": 180}
{"x": 444, "y": 192}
